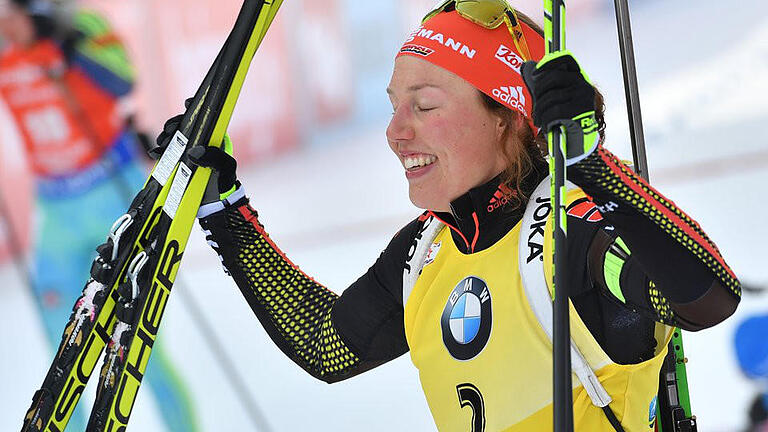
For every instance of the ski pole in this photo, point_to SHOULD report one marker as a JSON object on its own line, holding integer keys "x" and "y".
{"x": 554, "y": 29}
{"x": 631, "y": 88}
{"x": 753, "y": 288}
{"x": 673, "y": 375}
{"x": 236, "y": 381}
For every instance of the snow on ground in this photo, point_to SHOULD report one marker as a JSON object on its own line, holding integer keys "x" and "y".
{"x": 333, "y": 208}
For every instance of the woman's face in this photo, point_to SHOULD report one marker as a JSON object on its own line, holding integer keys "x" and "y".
{"x": 15, "y": 25}
{"x": 446, "y": 139}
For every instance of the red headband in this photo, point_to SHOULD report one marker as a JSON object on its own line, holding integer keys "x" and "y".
{"x": 487, "y": 59}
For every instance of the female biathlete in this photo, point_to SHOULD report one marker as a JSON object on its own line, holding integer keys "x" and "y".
{"x": 461, "y": 286}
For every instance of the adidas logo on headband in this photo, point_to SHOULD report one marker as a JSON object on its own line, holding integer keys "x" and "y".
{"x": 512, "y": 96}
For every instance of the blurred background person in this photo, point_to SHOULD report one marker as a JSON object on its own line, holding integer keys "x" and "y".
{"x": 751, "y": 346}
{"x": 62, "y": 76}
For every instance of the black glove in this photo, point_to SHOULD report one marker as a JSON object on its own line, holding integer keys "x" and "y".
{"x": 563, "y": 96}
{"x": 221, "y": 161}
{"x": 218, "y": 159}
{"x": 164, "y": 138}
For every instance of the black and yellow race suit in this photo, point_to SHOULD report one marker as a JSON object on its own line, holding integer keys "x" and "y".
{"x": 635, "y": 261}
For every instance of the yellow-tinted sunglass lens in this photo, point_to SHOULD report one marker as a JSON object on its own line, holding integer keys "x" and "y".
{"x": 487, "y": 13}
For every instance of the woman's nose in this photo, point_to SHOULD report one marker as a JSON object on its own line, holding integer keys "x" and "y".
{"x": 400, "y": 126}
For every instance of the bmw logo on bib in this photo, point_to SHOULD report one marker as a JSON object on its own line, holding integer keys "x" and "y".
{"x": 466, "y": 319}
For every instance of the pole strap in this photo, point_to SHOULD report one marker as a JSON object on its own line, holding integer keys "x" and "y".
{"x": 539, "y": 298}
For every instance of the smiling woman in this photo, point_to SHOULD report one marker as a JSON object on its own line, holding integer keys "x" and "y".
{"x": 463, "y": 286}
{"x": 447, "y": 140}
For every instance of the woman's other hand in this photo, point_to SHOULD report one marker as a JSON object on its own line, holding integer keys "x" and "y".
{"x": 564, "y": 96}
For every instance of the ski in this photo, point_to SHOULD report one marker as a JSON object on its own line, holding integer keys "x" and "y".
{"x": 143, "y": 301}
{"x": 154, "y": 229}
{"x": 93, "y": 315}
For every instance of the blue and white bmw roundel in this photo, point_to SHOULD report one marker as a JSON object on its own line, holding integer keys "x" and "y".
{"x": 466, "y": 319}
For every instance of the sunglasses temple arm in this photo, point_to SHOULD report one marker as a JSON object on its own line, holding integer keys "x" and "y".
{"x": 513, "y": 24}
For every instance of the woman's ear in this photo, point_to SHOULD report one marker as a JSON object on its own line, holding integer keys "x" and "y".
{"x": 507, "y": 125}
{"x": 502, "y": 126}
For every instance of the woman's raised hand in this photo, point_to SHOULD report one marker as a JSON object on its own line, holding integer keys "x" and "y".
{"x": 564, "y": 96}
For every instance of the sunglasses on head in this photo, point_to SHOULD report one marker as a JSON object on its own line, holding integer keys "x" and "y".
{"x": 489, "y": 14}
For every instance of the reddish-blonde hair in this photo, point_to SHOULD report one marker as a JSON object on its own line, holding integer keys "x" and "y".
{"x": 520, "y": 147}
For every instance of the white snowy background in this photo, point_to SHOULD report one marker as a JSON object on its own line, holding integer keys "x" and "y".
{"x": 333, "y": 205}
